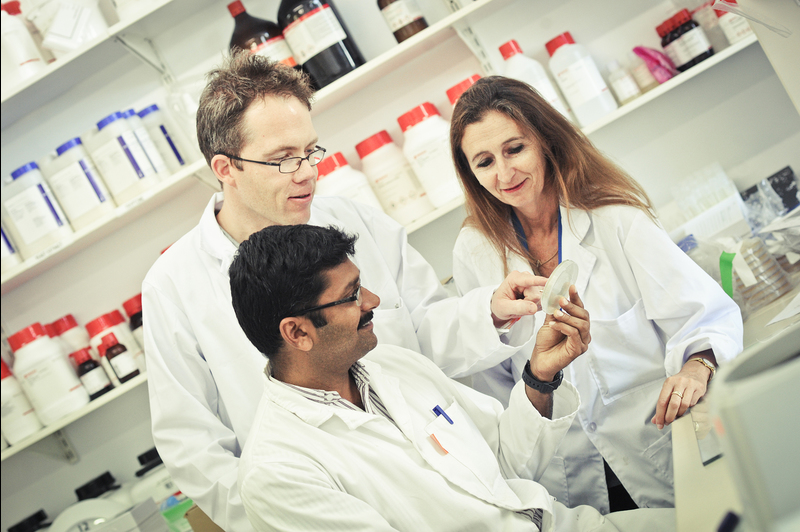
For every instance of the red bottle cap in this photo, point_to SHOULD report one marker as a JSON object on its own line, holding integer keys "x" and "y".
{"x": 51, "y": 330}
{"x": 454, "y": 92}
{"x": 12, "y": 8}
{"x": 4, "y": 371}
{"x": 681, "y": 17}
{"x": 417, "y": 115}
{"x": 558, "y": 42}
{"x": 80, "y": 356}
{"x": 109, "y": 340}
{"x": 65, "y": 323}
{"x": 509, "y": 49}
{"x": 236, "y": 8}
{"x": 104, "y": 322}
{"x": 23, "y": 337}
{"x": 330, "y": 163}
{"x": 720, "y": 12}
{"x": 365, "y": 147}
{"x": 133, "y": 305}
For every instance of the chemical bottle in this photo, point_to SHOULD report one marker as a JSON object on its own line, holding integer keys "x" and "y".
{"x": 337, "y": 178}
{"x": 118, "y": 357}
{"x": 644, "y": 78}
{"x": 91, "y": 373}
{"x": 454, "y": 92}
{"x": 149, "y": 148}
{"x": 684, "y": 41}
{"x": 19, "y": 420}
{"x": 404, "y": 17}
{"x": 46, "y": 377}
{"x": 113, "y": 322}
{"x": 31, "y": 213}
{"x": 734, "y": 27}
{"x": 166, "y": 143}
{"x": 579, "y": 80}
{"x": 133, "y": 308}
{"x": 18, "y": 44}
{"x": 62, "y": 345}
{"x": 526, "y": 69}
{"x": 75, "y": 337}
{"x": 259, "y": 36}
{"x": 76, "y": 184}
{"x": 10, "y": 257}
{"x": 622, "y": 83}
{"x": 393, "y": 180}
{"x": 319, "y": 39}
{"x": 427, "y": 148}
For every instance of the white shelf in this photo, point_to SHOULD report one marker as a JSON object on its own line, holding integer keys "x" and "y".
{"x": 435, "y": 215}
{"x": 74, "y": 416}
{"x": 100, "y": 228}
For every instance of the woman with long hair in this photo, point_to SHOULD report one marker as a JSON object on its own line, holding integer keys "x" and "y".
{"x": 538, "y": 192}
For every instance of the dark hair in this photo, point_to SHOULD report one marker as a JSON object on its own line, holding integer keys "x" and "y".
{"x": 242, "y": 79}
{"x": 577, "y": 172}
{"x": 278, "y": 272}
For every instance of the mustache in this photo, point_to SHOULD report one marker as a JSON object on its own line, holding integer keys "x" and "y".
{"x": 366, "y": 318}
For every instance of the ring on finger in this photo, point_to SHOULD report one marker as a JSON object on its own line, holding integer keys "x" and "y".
{"x": 679, "y": 394}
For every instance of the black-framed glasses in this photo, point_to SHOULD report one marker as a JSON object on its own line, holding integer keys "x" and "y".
{"x": 355, "y": 297}
{"x": 291, "y": 164}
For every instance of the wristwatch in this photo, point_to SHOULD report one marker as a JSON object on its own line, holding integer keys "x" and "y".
{"x": 539, "y": 386}
{"x": 707, "y": 364}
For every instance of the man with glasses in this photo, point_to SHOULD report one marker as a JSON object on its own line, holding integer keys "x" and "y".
{"x": 204, "y": 376}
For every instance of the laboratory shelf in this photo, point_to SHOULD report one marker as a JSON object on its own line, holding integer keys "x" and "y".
{"x": 100, "y": 228}
{"x": 74, "y": 416}
{"x": 419, "y": 223}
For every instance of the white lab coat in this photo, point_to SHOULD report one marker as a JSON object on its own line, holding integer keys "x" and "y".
{"x": 650, "y": 308}
{"x": 205, "y": 376}
{"x": 347, "y": 470}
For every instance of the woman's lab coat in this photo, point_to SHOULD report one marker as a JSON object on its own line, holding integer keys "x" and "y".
{"x": 205, "y": 377}
{"x": 650, "y": 308}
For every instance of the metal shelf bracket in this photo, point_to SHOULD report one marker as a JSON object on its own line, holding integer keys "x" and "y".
{"x": 57, "y": 445}
{"x": 144, "y": 49}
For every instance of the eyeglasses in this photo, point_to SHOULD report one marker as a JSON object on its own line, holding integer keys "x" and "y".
{"x": 355, "y": 297}
{"x": 289, "y": 165}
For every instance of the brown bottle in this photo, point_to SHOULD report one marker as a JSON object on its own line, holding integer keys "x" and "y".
{"x": 403, "y": 17}
{"x": 259, "y": 36}
{"x": 119, "y": 357}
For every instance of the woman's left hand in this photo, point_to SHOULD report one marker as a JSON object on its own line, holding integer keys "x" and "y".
{"x": 680, "y": 392}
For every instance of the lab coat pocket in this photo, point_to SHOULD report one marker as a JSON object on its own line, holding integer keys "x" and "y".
{"x": 659, "y": 453}
{"x": 625, "y": 353}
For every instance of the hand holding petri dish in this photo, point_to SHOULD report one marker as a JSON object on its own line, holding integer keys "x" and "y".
{"x": 564, "y": 275}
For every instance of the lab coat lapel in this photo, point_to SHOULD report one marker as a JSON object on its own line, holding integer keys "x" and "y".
{"x": 575, "y": 227}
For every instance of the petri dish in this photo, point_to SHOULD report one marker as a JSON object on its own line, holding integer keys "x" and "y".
{"x": 564, "y": 275}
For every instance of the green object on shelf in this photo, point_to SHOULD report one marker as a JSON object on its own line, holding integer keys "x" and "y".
{"x": 726, "y": 271}
{"x": 175, "y": 516}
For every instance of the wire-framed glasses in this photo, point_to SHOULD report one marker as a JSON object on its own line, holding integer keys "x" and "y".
{"x": 355, "y": 297}
{"x": 289, "y": 165}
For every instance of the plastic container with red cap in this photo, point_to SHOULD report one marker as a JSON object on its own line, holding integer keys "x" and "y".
{"x": 337, "y": 178}
{"x": 45, "y": 376}
{"x": 119, "y": 358}
{"x": 427, "y": 148}
{"x": 579, "y": 80}
{"x": 734, "y": 27}
{"x": 19, "y": 46}
{"x": 19, "y": 420}
{"x": 71, "y": 333}
{"x": 523, "y": 68}
{"x": 393, "y": 180}
{"x": 113, "y": 322}
{"x": 454, "y": 92}
{"x": 92, "y": 375}
{"x": 50, "y": 329}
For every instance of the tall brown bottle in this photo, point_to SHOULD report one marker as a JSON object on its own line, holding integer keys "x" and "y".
{"x": 259, "y": 36}
{"x": 403, "y": 17}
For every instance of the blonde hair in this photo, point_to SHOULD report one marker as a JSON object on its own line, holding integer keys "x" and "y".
{"x": 575, "y": 170}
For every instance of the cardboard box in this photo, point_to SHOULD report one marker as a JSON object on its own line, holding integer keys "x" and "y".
{"x": 200, "y": 521}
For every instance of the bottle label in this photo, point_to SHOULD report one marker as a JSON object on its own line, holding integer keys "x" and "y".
{"x": 123, "y": 364}
{"x": 6, "y": 249}
{"x": 115, "y": 167}
{"x": 276, "y": 49}
{"x": 172, "y": 145}
{"x": 401, "y": 13}
{"x": 625, "y": 88}
{"x": 95, "y": 380}
{"x": 314, "y": 32}
{"x": 20, "y": 47}
{"x": 398, "y": 188}
{"x": 150, "y": 150}
{"x": 34, "y": 213}
{"x": 735, "y": 27}
{"x": 687, "y": 46}
{"x": 15, "y": 408}
{"x": 433, "y": 164}
{"x": 135, "y": 154}
{"x": 644, "y": 78}
{"x": 76, "y": 189}
{"x": 49, "y": 381}
{"x": 581, "y": 82}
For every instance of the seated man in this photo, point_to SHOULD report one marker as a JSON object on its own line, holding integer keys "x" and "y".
{"x": 378, "y": 438}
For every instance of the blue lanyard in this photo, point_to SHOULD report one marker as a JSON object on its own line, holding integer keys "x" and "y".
{"x": 523, "y": 241}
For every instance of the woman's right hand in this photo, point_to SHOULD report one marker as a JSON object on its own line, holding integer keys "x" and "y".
{"x": 518, "y": 295}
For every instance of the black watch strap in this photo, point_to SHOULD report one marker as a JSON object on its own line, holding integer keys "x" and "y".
{"x": 539, "y": 386}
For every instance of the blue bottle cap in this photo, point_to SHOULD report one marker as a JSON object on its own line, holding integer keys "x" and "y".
{"x": 24, "y": 169}
{"x": 688, "y": 244}
{"x": 71, "y": 143}
{"x": 147, "y": 110}
{"x": 129, "y": 113}
{"x": 107, "y": 120}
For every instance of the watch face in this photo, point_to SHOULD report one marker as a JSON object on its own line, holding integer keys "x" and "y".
{"x": 564, "y": 275}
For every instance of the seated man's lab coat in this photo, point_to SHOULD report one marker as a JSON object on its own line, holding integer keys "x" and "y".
{"x": 331, "y": 468}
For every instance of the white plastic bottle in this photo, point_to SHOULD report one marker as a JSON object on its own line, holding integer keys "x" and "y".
{"x": 734, "y": 27}
{"x": 523, "y": 68}
{"x": 10, "y": 257}
{"x": 579, "y": 80}
{"x": 427, "y": 148}
{"x": 393, "y": 180}
{"x": 644, "y": 78}
{"x": 146, "y": 142}
{"x": 45, "y": 374}
{"x": 337, "y": 178}
{"x": 622, "y": 83}
{"x": 19, "y": 419}
{"x": 166, "y": 142}
{"x": 20, "y": 47}
{"x": 76, "y": 337}
{"x": 120, "y": 158}
{"x": 31, "y": 213}
{"x": 77, "y": 184}
{"x": 454, "y": 92}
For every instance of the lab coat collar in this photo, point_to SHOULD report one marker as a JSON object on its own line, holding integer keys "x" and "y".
{"x": 212, "y": 240}
{"x": 575, "y": 226}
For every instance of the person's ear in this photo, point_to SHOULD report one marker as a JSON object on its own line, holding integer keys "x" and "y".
{"x": 297, "y": 333}
{"x": 223, "y": 168}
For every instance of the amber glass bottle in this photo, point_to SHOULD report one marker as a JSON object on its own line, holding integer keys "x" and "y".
{"x": 403, "y": 17}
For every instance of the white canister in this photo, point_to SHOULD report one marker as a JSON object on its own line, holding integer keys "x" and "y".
{"x": 120, "y": 158}
{"x": 31, "y": 213}
{"x": 146, "y": 142}
{"x": 166, "y": 142}
{"x": 62, "y": 345}
{"x": 427, "y": 148}
{"x": 622, "y": 83}
{"x": 735, "y": 27}
{"x": 46, "y": 377}
{"x": 19, "y": 47}
{"x": 520, "y": 67}
{"x": 76, "y": 337}
{"x": 10, "y": 257}
{"x": 18, "y": 416}
{"x": 113, "y": 322}
{"x": 337, "y": 178}
{"x": 579, "y": 80}
{"x": 392, "y": 178}
{"x": 454, "y": 92}
{"x": 76, "y": 184}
